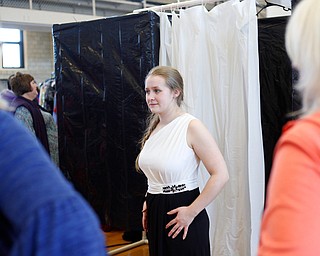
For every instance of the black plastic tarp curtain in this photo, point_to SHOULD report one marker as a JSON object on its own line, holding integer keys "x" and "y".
{"x": 278, "y": 96}
{"x": 100, "y": 67}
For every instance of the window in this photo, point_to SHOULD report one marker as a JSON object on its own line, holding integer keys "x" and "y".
{"x": 11, "y": 48}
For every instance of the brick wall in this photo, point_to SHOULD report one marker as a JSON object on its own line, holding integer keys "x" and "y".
{"x": 38, "y": 56}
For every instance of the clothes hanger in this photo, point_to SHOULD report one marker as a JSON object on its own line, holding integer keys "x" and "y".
{"x": 268, "y": 4}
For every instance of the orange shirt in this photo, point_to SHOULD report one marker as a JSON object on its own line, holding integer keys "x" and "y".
{"x": 291, "y": 221}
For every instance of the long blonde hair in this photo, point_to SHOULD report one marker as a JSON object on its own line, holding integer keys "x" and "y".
{"x": 303, "y": 47}
{"x": 174, "y": 81}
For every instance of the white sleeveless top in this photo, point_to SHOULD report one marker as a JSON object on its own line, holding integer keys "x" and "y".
{"x": 170, "y": 165}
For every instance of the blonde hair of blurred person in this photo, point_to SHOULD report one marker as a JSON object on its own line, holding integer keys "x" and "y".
{"x": 303, "y": 48}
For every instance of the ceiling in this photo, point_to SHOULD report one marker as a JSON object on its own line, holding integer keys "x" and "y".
{"x": 40, "y": 14}
{"x": 102, "y": 8}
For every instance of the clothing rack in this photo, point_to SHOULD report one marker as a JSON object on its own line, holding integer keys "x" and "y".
{"x": 177, "y": 5}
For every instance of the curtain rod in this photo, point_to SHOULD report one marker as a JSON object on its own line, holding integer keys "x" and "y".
{"x": 175, "y": 5}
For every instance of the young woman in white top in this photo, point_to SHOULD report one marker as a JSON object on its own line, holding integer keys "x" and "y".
{"x": 174, "y": 143}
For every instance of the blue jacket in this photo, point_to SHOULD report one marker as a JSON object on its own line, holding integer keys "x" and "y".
{"x": 40, "y": 211}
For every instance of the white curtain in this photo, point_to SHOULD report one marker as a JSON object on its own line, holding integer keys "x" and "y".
{"x": 216, "y": 52}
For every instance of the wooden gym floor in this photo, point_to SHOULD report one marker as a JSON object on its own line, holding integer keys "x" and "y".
{"x": 114, "y": 241}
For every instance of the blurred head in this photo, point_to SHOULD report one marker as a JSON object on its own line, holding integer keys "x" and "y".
{"x": 24, "y": 84}
{"x": 172, "y": 77}
{"x": 303, "y": 47}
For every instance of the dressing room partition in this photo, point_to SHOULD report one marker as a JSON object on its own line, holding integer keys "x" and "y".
{"x": 100, "y": 68}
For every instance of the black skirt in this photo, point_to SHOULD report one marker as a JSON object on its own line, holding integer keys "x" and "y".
{"x": 197, "y": 240}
